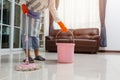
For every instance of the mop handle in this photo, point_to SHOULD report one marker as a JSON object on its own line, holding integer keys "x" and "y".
{"x": 26, "y": 40}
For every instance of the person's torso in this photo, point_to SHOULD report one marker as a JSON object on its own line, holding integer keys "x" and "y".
{"x": 37, "y": 5}
{"x": 34, "y": 6}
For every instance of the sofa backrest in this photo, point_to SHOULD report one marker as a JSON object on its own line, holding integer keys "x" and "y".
{"x": 86, "y": 31}
{"x": 55, "y": 32}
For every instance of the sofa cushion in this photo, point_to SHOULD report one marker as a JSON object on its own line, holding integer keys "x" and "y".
{"x": 85, "y": 42}
{"x": 83, "y": 37}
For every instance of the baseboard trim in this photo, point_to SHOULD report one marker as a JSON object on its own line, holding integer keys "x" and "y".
{"x": 110, "y": 51}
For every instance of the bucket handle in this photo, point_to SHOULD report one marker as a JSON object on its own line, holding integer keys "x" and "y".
{"x": 65, "y": 32}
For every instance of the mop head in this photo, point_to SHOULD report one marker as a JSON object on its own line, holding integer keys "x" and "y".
{"x": 27, "y": 67}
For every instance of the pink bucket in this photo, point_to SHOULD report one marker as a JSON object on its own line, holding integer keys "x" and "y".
{"x": 65, "y": 52}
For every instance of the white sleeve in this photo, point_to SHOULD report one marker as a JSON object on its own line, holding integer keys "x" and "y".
{"x": 53, "y": 11}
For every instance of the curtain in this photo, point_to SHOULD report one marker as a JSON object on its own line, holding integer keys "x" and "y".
{"x": 51, "y": 19}
{"x": 102, "y": 7}
{"x": 79, "y": 13}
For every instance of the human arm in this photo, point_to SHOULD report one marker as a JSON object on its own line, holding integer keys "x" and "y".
{"x": 53, "y": 11}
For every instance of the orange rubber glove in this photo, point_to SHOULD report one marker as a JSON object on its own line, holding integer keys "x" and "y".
{"x": 62, "y": 26}
{"x": 24, "y": 9}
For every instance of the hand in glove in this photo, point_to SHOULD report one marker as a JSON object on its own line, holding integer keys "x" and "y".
{"x": 24, "y": 9}
{"x": 62, "y": 26}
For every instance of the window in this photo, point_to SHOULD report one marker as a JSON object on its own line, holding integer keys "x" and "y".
{"x": 5, "y": 24}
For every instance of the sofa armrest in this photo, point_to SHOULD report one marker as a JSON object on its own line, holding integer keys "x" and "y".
{"x": 95, "y": 37}
{"x": 48, "y": 37}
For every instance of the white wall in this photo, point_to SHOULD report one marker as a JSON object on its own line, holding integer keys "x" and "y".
{"x": 113, "y": 25}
